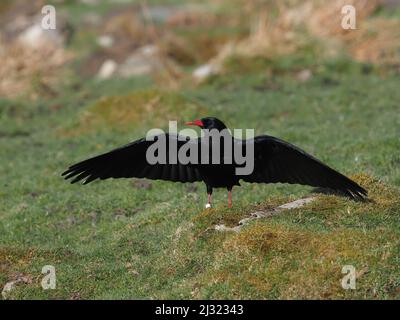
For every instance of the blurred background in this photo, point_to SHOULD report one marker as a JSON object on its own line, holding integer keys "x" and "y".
{"x": 111, "y": 70}
{"x": 181, "y": 43}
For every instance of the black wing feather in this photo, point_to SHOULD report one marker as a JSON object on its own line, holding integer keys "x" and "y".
{"x": 130, "y": 161}
{"x": 280, "y": 161}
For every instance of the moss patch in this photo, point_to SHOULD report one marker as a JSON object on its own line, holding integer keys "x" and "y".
{"x": 148, "y": 107}
{"x": 287, "y": 262}
{"x": 299, "y": 254}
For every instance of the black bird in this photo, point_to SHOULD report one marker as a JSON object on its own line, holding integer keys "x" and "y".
{"x": 274, "y": 161}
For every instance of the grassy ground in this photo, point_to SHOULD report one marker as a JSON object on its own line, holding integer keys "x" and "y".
{"x": 127, "y": 239}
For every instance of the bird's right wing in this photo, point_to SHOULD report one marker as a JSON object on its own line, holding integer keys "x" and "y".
{"x": 130, "y": 161}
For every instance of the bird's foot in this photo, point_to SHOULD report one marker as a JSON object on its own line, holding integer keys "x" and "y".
{"x": 208, "y": 205}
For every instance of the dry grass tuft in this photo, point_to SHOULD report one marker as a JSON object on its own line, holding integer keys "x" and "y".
{"x": 325, "y": 17}
{"x": 12, "y": 262}
{"x": 286, "y": 28}
{"x": 270, "y": 36}
{"x": 380, "y": 194}
{"x": 376, "y": 40}
{"x": 24, "y": 70}
{"x": 379, "y": 43}
{"x": 126, "y": 28}
{"x": 30, "y": 61}
{"x": 208, "y": 218}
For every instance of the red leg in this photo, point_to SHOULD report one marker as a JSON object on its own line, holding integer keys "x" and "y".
{"x": 230, "y": 198}
{"x": 209, "y": 194}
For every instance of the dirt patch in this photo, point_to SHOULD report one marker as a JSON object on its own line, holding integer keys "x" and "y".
{"x": 12, "y": 265}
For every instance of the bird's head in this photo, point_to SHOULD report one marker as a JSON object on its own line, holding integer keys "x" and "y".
{"x": 208, "y": 123}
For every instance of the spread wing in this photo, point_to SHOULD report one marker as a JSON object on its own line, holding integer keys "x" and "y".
{"x": 130, "y": 161}
{"x": 280, "y": 161}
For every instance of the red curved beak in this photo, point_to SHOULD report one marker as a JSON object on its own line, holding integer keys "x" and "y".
{"x": 198, "y": 123}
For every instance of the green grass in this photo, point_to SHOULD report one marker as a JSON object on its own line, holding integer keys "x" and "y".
{"x": 113, "y": 239}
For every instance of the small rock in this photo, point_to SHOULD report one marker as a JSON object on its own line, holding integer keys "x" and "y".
{"x": 120, "y": 214}
{"x": 134, "y": 272}
{"x": 71, "y": 220}
{"x": 107, "y": 69}
{"x": 144, "y": 60}
{"x": 9, "y": 286}
{"x": 120, "y": 217}
{"x": 105, "y": 41}
{"x": 75, "y": 296}
{"x": 35, "y": 37}
{"x": 304, "y": 75}
{"x": 204, "y": 71}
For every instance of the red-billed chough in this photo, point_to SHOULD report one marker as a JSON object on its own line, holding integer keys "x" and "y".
{"x": 274, "y": 160}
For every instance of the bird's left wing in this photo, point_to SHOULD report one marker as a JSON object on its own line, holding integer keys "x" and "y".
{"x": 130, "y": 161}
{"x": 278, "y": 161}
